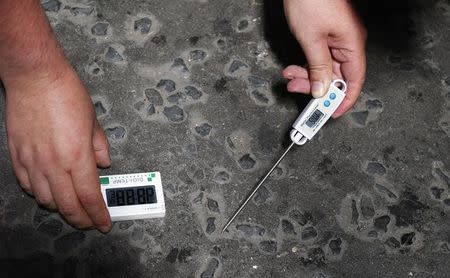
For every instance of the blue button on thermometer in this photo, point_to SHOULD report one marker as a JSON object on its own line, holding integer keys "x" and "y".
{"x": 313, "y": 117}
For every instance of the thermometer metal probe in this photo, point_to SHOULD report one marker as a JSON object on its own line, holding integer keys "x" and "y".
{"x": 256, "y": 188}
{"x": 308, "y": 123}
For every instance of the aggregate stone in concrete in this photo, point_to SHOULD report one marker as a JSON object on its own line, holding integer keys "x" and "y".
{"x": 193, "y": 89}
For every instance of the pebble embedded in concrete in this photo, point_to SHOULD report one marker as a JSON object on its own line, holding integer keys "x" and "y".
{"x": 113, "y": 55}
{"x": 116, "y": 133}
{"x": 300, "y": 217}
{"x": 262, "y": 195}
{"x": 210, "y": 225}
{"x": 197, "y": 55}
{"x": 367, "y": 209}
{"x": 287, "y": 227}
{"x": 222, "y": 177}
{"x": 124, "y": 225}
{"x": 51, "y": 227}
{"x": 382, "y": 222}
{"x": 242, "y": 24}
{"x": 203, "y": 129}
{"x": 210, "y": 269}
{"x": 153, "y": 97}
{"x": 250, "y": 230}
{"x": 99, "y": 108}
{"x": 268, "y": 246}
{"x": 247, "y": 162}
{"x": 193, "y": 92}
{"x": 213, "y": 205}
{"x": 174, "y": 113}
{"x": 100, "y": 28}
{"x": 375, "y": 168}
{"x": 392, "y": 243}
{"x": 160, "y": 40}
{"x": 257, "y": 81}
{"x": 81, "y": 11}
{"x": 308, "y": 233}
{"x": 236, "y": 66}
{"x": 360, "y": 117}
{"x": 260, "y": 97}
{"x": 69, "y": 241}
{"x": 143, "y": 25}
{"x": 51, "y": 5}
{"x": 180, "y": 67}
{"x": 167, "y": 85}
{"x": 335, "y": 246}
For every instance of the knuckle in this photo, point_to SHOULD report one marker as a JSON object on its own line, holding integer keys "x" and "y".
{"x": 25, "y": 157}
{"x": 319, "y": 68}
{"x": 360, "y": 36}
{"x": 75, "y": 151}
{"x": 26, "y": 188}
{"x": 45, "y": 201}
{"x": 23, "y": 181}
{"x": 89, "y": 199}
{"x": 68, "y": 210}
{"x": 68, "y": 155}
{"x": 46, "y": 158}
{"x": 364, "y": 33}
{"x": 12, "y": 150}
{"x": 72, "y": 153}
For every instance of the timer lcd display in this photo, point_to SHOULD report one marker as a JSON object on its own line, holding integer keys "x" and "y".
{"x": 129, "y": 196}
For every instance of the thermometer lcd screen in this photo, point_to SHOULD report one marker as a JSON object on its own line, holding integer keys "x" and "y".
{"x": 315, "y": 117}
{"x": 129, "y": 196}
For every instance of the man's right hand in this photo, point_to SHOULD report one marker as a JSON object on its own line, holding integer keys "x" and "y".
{"x": 56, "y": 143}
{"x": 333, "y": 40}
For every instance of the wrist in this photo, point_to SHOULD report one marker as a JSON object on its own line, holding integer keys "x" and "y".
{"x": 36, "y": 67}
{"x": 29, "y": 50}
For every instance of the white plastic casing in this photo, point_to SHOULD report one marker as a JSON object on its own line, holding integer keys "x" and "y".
{"x": 317, "y": 113}
{"x": 138, "y": 211}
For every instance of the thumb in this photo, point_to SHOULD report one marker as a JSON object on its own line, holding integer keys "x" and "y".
{"x": 320, "y": 69}
{"x": 100, "y": 145}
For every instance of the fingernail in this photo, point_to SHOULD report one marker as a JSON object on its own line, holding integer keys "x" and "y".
{"x": 105, "y": 229}
{"x": 317, "y": 90}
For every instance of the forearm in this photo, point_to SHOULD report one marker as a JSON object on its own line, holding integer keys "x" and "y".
{"x": 28, "y": 47}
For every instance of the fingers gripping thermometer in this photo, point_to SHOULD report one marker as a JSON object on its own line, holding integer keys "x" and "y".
{"x": 308, "y": 123}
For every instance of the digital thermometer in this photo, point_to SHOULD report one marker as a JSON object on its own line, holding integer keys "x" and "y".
{"x": 308, "y": 123}
{"x": 133, "y": 196}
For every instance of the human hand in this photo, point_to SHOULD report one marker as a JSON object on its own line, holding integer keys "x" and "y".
{"x": 55, "y": 143}
{"x": 333, "y": 40}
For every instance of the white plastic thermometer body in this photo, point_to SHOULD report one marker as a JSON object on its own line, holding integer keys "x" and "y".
{"x": 317, "y": 113}
{"x": 133, "y": 196}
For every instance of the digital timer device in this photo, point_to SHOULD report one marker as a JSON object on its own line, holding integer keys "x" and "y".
{"x": 308, "y": 123}
{"x": 133, "y": 196}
